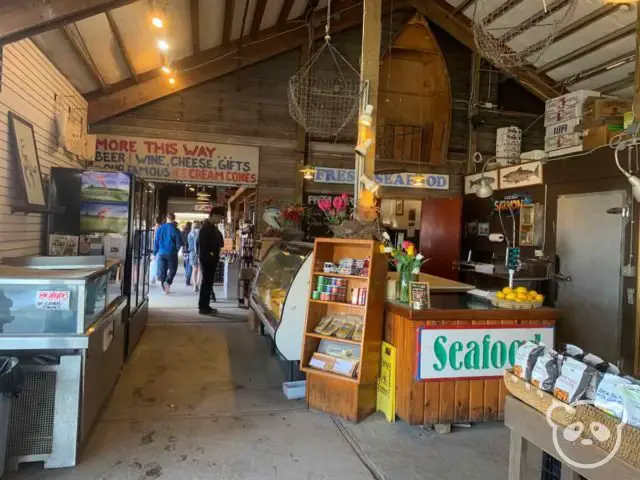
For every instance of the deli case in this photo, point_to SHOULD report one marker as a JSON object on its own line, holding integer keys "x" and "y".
{"x": 279, "y": 297}
{"x": 62, "y": 317}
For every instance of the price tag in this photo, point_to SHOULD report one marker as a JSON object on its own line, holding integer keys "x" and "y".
{"x": 53, "y": 299}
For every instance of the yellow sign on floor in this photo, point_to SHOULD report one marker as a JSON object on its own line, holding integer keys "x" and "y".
{"x": 386, "y": 401}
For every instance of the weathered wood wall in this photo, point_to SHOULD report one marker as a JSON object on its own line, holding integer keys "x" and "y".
{"x": 29, "y": 86}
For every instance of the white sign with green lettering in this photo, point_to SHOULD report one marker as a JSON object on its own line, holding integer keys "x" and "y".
{"x": 473, "y": 351}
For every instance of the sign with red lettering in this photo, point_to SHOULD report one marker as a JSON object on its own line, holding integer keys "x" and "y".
{"x": 53, "y": 299}
{"x": 178, "y": 160}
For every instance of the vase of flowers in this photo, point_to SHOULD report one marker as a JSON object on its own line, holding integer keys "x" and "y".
{"x": 336, "y": 212}
{"x": 407, "y": 262}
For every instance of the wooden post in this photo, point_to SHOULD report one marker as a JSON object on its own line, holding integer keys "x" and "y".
{"x": 472, "y": 144}
{"x": 370, "y": 72}
{"x": 636, "y": 97}
{"x": 302, "y": 143}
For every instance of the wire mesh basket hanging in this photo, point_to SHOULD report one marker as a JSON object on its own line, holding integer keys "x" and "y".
{"x": 324, "y": 95}
{"x": 497, "y": 37}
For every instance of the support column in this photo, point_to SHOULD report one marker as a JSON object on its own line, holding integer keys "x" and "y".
{"x": 472, "y": 143}
{"x": 636, "y": 91}
{"x": 370, "y": 72}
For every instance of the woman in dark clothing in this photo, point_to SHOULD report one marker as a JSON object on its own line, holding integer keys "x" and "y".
{"x": 188, "y": 268}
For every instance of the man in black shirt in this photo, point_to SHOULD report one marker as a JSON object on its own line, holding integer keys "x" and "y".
{"x": 210, "y": 242}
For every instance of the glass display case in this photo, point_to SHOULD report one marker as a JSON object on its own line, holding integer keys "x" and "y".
{"x": 277, "y": 272}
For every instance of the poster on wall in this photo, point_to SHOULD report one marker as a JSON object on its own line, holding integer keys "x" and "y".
{"x": 104, "y": 187}
{"x": 521, "y": 175}
{"x": 472, "y": 182}
{"x": 24, "y": 148}
{"x": 104, "y": 217}
{"x": 178, "y": 160}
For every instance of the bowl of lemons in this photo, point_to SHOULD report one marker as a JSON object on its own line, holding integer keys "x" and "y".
{"x": 517, "y": 298}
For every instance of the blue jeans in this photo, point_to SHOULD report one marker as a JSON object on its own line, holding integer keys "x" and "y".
{"x": 188, "y": 269}
{"x": 167, "y": 267}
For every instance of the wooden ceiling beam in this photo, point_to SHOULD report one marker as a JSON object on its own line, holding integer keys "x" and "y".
{"x": 441, "y": 13}
{"x": 463, "y": 6}
{"x": 228, "y": 21}
{"x": 610, "y": 64}
{"x": 588, "y": 48}
{"x": 83, "y": 56}
{"x": 21, "y": 19}
{"x": 194, "y": 10}
{"x": 500, "y": 11}
{"x": 257, "y": 17}
{"x": 283, "y": 16}
{"x": 534, "y": 20}
{"x": 582, "y": 22}
{"x": 123, "y": 49}
{"x": 618, "y": 85}
{"x": 218, "y": 61}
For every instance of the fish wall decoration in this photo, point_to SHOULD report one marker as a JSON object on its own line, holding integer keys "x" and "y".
{"x": 522, "y": 175}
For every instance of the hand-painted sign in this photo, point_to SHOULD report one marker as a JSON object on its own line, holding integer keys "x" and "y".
{"x": 513, "y": 201}
{"x": 348, "y": 176}
{"x": 473, "y": 351}
{"x": 177, "y": 160}
{"x": 53, "y": 299}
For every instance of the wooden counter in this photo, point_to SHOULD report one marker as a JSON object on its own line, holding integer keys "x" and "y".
{"x": 471, "y": 388}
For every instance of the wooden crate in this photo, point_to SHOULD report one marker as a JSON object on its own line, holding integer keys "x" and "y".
{"x": 350, "y": 398}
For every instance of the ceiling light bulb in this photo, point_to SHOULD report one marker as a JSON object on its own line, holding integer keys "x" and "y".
{"x": 157, "y": 22}
{"x": 419, "y": 180}
{"x": 166, "y": 69}
{"x": 163, "y": 45}
{"x": 172, "y": 81}
{"x": 308, "y": 172}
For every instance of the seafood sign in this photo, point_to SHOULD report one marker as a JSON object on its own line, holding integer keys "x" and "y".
{"x": 178, "y": 160}
{"x": 521, "y": 175}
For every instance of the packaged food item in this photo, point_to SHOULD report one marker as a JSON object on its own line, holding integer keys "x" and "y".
{"x": 357, "y": 332}
{"x": 573, "y": 351}
{"x": 346, "y": 328}
{"x": 609, "y": 394}
{"x": 526, "y": 357}
{"x": 333, "y": 326}
{"x": 545, "y": 371}
{"x": 631, "y": 403}
{"x": 600, "y": 368}
{"x": 323, "y": 323}
{"x": 573, "y": 380}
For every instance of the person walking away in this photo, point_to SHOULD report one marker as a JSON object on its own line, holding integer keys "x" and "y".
{"x": 192, "y": 242}
{"x": 185, "y": 253}
{"x": 210, "y": 242}
{"x": 167, "y": 244}
{"x": 153, "y": 268}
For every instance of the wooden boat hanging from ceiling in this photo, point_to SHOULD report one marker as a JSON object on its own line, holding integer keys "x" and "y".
{"x": 414, "y": 102}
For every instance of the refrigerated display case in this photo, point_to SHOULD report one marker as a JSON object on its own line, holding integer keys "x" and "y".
{"x": 280, "y": 293}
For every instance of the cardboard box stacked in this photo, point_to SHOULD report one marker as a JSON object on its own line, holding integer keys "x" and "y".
{"x": 603, "y": 119}
{"x": 563, "y": 122}
{"x": 508, "y": 143}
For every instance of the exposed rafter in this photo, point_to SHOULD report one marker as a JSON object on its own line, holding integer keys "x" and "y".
{"x": 610, "y": 64}
{"x": 194, "y": 10}
{"x": 218, "y": 61}
{"x": 228, "y": 21}
{"x": 500, "y": 11}
{"x": 588, "y": 48}
{"x": 257, "y": 17}
{"x": 618, "y": 85}
{"x": 582, "y": 22}
{"x": 83, "y": 55}
{"x": 21, "y": 19}
{"x": 285, "y": 11}
{"x": 441, "y": 13}
{"x": 463, "y": 6}
{"x": 535, "y": 19}
{"x": 123, "y": 49}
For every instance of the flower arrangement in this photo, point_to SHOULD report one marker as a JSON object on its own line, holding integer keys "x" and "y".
{"x": 293, "y": 214}
{"x": 407, "y": 262}
{"x": 336, "y": 210}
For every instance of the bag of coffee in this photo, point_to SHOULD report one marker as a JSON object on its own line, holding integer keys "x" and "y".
{"x": 526, "y": 357}
{"x": 631, "y": 402}
{"x": 609, "y": 394}
{"x": 545, "y": 371}
{"x": 573, "y": 380}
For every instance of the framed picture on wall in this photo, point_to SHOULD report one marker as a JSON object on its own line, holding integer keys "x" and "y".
{"x": 399, "y": 207}
{"x": 23, "y": 144}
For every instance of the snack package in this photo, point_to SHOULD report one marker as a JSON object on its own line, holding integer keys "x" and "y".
{"x": 600, "y": 368}
{"x": 573, "y": 351}
{"x": 323, "y": 323}
{"x": 357, "y": 333}
{"x": 526, "y": 357}
{"x": 545, "y": 371}
{"x": 346, "y": 328}
{"x": 573, "y": 380}
{"x": 609, "y": 394}
{"x": 631, "y": 402}
{"x": 333, "y": 326}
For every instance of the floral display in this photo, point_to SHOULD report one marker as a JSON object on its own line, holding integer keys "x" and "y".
{"x": 336, "y": 210}
{"x": 407, "y": 262}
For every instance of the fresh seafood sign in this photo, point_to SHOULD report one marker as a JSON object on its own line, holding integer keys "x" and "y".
{"x": 521, "y": 175}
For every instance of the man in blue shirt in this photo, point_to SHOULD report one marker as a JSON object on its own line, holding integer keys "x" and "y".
{"x": 166, "y": 246}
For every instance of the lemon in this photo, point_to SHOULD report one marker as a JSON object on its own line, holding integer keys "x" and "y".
{"x": 500, "y": 295}
{"x": 532, "y": 294}
{"x": 507, "y": 290}
{"x": 521, "y": 290}
{"x": 511, "y": 296}
{"x": 522, "y": 297}
{"x": 539, "y": 298}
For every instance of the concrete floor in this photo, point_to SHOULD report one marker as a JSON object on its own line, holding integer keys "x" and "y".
{"x": 201, "y": 398}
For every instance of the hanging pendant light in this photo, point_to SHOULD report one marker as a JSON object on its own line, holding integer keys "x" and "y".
{"x": 419, "y": 180}
{"x": 308, "y": 172}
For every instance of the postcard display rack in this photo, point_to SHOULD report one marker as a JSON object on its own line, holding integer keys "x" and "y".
{"x": 348, "y": 391}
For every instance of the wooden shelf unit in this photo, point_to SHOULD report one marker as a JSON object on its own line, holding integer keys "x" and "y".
{"x": 350, "y": 398}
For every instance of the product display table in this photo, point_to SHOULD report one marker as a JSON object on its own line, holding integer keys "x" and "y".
{"x": 531, "y": 434}
{"x": 451, "y": 357}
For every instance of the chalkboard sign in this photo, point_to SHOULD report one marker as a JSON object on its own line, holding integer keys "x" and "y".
{"x": 316, "y": 224}
{"x": 419, "y": 295}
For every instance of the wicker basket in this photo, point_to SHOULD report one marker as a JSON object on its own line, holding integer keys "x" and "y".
{"x": 538, "y": 399}
{"x": 629, "y": 450}
{"x": 526, "y": 305}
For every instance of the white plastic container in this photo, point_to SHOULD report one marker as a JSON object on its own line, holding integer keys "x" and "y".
{"x": 566, "y": 107}
{"x": 562, "y": 128}
{"x": 559, "y": 142}
{"x": 294, "y": 390}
